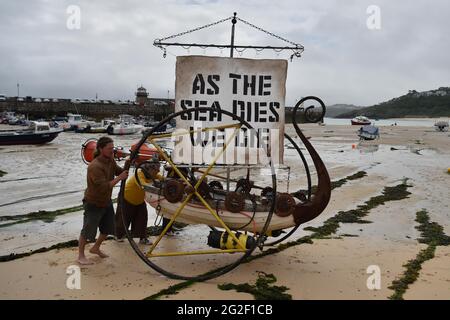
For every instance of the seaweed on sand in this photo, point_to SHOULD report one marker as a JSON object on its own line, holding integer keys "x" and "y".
{"x": 433, "y": 235}
{"x": 262, "y": 289}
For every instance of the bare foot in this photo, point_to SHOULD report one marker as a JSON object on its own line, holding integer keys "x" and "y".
{"x": 99, "y": 253}
{"x": 84, "y": 261}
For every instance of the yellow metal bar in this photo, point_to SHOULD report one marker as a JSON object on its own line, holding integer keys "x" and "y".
{"x": 172, "y": 254}
{"x": 177, "y": 213}
{"x": 205, "y": 203}
{"x": 161, "y": 151}
{"x": 176, "y": 134}
{"x": 225, "y": 145}
{"x": 231, "y": 234}
{"x": 181, "y": 207}
{"x": 216, "y": 175}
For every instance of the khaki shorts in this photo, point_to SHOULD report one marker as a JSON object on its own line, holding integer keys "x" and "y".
{"x": 96, "y": 217}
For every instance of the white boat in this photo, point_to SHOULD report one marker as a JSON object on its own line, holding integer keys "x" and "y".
{"x": 125, "y": 126}
{"x": 76, "y": 121}
{"x": 360, "y": 121}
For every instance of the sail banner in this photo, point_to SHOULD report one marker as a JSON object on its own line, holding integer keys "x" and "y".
{"x": 254, "y": 90}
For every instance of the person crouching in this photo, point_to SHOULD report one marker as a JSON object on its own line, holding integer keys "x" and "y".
{"x": 134, "y": 208}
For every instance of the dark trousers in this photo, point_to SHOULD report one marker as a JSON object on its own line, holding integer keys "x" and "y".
{"x": 137, "y": 216}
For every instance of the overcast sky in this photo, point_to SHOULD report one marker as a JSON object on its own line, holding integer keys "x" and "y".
{"x": 112, "y": 52}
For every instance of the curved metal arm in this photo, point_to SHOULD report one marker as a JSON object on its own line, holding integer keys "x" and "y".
{"x": 305, "y": 212}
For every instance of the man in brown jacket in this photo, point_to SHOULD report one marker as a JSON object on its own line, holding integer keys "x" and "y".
{"x": 98, "y": 208}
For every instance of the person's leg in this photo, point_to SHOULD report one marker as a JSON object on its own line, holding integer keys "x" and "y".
{"x": 81, "y": 257}
{"x": 96, "y": 248}
{"x": 132, "y": 211}
{"x": 140, "y": 221}
{"x": 91, "y": 219}
{"x": 106, "y": 227}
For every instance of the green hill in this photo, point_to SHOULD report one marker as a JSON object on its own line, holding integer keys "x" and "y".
{"x": 337, "y": 109}
{"x": 433, "y": 103}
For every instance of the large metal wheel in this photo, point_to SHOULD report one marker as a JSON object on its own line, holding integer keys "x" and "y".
{"x": 195, "y": 265}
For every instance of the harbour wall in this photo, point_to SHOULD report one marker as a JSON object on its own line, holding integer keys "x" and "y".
{"x": 98, "y": 111}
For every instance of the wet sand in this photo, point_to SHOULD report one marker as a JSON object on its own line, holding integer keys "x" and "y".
{"x": 331, "y": 268}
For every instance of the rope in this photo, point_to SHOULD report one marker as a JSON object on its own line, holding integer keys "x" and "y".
{"x": 193, "y": 30}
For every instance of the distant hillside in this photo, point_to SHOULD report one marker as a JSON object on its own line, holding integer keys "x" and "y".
{"x": 336, "y": 109}
{"x": 433, "y": 103}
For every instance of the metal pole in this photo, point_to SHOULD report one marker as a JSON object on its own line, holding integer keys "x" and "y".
{"x": 232, "y": 35}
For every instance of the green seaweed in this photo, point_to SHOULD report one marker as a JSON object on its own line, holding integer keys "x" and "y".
{"x": 411, "y": 274}
{"x": 329, "y": 227}
{"x": 2, "y": 173}
{"x": 171, "y": 290}
{"x": 13, "y": 256}
{"x": 262, "y": 289}
{"x": 62, "y": 245}
{"x": 42, "y": 215}
{"x": 431, "y": 232}
{"x": 341, "y": 182}
{"x": 433, "y": 235}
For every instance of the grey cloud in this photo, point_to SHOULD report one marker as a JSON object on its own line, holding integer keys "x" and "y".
{"x": 344, "y": 62}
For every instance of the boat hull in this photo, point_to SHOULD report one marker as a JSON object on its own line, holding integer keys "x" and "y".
{"x": 31, "y": 138}
{"x": 366, "y": 136}
{"x": 123, "y": 131}
{"x": 194, "y": 213}
{"x": 360, "y": 123}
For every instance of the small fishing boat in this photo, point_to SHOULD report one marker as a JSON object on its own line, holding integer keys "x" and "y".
{"x": 166, "y": 128}
{"x": 360, "y": 121}
{"x": 125, "y": 126}
{"x": 91, "y": 128}
{"x": 36, "y": 133}
{"x": 368, "y": 133}
{"x": 71, "y": 122}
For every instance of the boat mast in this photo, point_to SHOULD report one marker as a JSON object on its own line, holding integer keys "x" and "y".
{"x": 232, "y": 35}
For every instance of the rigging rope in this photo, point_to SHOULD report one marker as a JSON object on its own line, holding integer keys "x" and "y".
{"x": 297, "y": 49}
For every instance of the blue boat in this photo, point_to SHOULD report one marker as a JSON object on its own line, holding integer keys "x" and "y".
{"x": 368, "y": 133}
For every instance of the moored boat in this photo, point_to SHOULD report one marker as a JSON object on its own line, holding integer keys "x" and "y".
{"x": 125, "y": 126}
{"x": 360, "y": 121}
{"x": 368, "y": 133}
{"x": 36, "y": 133}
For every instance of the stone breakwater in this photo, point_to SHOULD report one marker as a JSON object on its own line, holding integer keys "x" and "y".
{"x": 101, "y": 110}
{"x": 95, "y": 110}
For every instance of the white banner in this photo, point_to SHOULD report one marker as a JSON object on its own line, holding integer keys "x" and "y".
{"x": 251, "y": 89}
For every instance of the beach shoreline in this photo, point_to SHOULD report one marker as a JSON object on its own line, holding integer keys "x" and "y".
{"x": 333, "y": 267}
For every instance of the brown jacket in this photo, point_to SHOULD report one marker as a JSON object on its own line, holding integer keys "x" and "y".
{"x": 100, "y": 173}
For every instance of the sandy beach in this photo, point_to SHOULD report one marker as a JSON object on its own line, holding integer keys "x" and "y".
{"x": 329, "y": 266}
